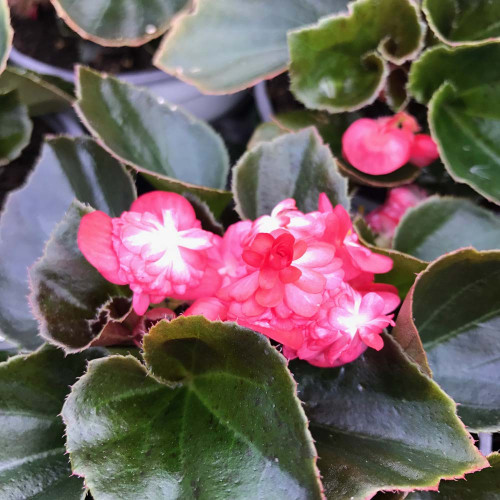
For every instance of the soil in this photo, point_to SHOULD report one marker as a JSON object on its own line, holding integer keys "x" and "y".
{"x": 13, "y": 175}
{"x": 46, "y": 38}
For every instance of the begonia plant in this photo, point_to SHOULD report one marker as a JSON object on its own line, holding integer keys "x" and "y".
{"x": 187, "y": 328}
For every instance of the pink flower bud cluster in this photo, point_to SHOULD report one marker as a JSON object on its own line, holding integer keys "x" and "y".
{"x": 301, "y": 279}
{"x": 381, "y": 146}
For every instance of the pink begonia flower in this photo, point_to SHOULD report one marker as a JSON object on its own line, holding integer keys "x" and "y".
{"x": 158, "y": 248}
{"x": 305, "y": 281}
{"x": 384, "y": 219}
{"x": 381, "y": 146}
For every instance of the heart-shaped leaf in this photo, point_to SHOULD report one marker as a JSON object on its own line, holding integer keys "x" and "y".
{"x": 457, "y": 22}
{"x": 483, "y": 485}
{"x": 15, "y": 127}
{"x": 295, "y": 166}
{"x": 175, "y": 151}
{"x": 115, "y": 23}
{"x": 197, "y": 50}
{"x": 33, "y": 460}
{"x": 69, "y": 297}
{"x": 68, "y": 168}
{"x": 332, "y": 128}
{"x": 39, "y": 93}
{"x": 340, "y": 64}
{"x": 463, "y": 87}
{"x": 441, "y": 225}
{"x": 6, "y": 34}
{"x": 380, "y": 424}
{"x": 216, "y": 416}
{"x": 405, "y": 267}
{"x": 454, "y": 309}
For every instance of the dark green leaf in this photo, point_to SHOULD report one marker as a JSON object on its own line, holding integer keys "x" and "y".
{"x": 295, "y": 166}
{"x": 6, "y": 34}
{"x": 404, "y": 270}
{"x": 340, "y": 64}
{"x": 225, "y": 424}
{"x": 441, "y": 225}
{"x": 463, "y": 87}
{"x": 463, "y": 21}
{"x": 396, "y": 93}
{"x": 40, "y": 93}
{"x": 68, "y": 168}
{"x": 176, "y": 151}
{"x": 15, "y": 127}
{"x": 119, "y": 22}
{"x": 69, "y": 297}
{"x": 33, "y": 460}
{"x": 380, "y": 424}
{"x": 454, "y": 309}
{"x": 198, "y": 52}
{"x": 483, "y": 485}
{"x": 332, "y": 128}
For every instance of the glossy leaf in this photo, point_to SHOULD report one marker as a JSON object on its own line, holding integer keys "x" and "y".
{"x": 463, "y": 21}
{"x": 454, "y": 309}
{"x": 68, "y": 295}
{"x": 33, "y": 459}
{"x": 6, "y": 34}
{"x": 405, "y": 267}
{"x": 197, "y": 50}
{"x": 119, "y": 22}
{"x": 463, "y": 88}
{"x": 179, "y": 153}
{"x": 68, "y": 168}
{"x": 40, "y": 93}
{"x": 380, "y": 424}
{"x": 440, "y": 225}
{"x": 216, "y": 417}
{"x": 332, "y": 128}
{"x": 483, "y": 485}
{"x": 295, "y": 166}
{"x": 341, "y": 64}
{"x": 15, "y": 127}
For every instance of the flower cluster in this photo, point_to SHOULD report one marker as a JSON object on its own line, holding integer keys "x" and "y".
{"x": 302, "y": 279}
{"x": 384, "y": 219}
{"x": 384, "y": 145}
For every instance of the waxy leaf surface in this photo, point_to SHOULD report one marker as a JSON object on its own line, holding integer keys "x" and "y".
{"x": 440, "y": 225}
{"x": 458, "y": 22}
{"x": 197, "y": 50}
{"x": 214, "y": 415}
{"x": 6, "y": 34}
{"x": 119, "y": 22}
{"x": 15, "y": 127}
{"x": 40, "y": 93}
{"x": 33, "y": 459}
{"x": 295, "y": 166}
{"x": 454, "y": 309}
{"x": 68, "y": 168}
{"x": 483, "y": 485}
{"x": 462, "y": 87}
{"x": 331, "y": 127}
{"x": 340, "y": 64}
{"x": 175, "y": 151}
{"x": 380, "y": 424}
{"x": 67, "y": 293}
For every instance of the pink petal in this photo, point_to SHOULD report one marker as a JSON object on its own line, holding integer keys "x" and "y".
{"x": 209, "y": 285}
{"x": 212, "y": 308}
{"x": 245, "y": 287}
{"x": 269, "y": 298}
{"x": 290, "y": 275}
{"x": 311, "y": 281}
{"x": 140, "y": 303}
{"x": 95, "y": 242}
{"x": 195, "y": 239}
{"x": 375, "y": 341}
{"x": 316, "y": 255}
{"x": 324, "y": 204}
{"x": 369, "y": 261}
{"x": 268, "y": 278}
{"x": 424, "y": 150}
{"x": 157, "y": 202}
{"x": 374, "y": 148}
{"x": 302, "y": 303}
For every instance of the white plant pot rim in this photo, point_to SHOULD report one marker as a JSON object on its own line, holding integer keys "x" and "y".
{"x": 135, "y": 77}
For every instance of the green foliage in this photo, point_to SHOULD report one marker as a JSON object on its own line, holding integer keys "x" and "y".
{"x": 341, "y": 64}
{"x": 295, "y": 166}
{"x": 6, "y": 34}
{"x": 213, "y": 414}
